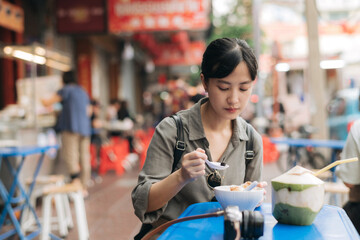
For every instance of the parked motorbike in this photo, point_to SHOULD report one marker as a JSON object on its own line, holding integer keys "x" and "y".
{"x": 307, "y": 156}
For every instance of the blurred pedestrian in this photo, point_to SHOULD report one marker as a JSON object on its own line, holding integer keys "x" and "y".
{"x": 212, "y": 130}
{"x": 123, "y": 115}
{"x": 123, "y": 111}
{"x": 96, "y": 138}
{"x": 75, "y": 128}
{"x": 349, "y": 173}
{"x": 112, "y": 109}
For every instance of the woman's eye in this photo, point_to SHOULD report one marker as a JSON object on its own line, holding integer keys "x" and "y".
{"x": 223, "y": 89}
{"x": 245, "y": 87}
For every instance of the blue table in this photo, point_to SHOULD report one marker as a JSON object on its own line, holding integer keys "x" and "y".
{"x": 331, "y": 223}
{"x": 302, "y": 142}
{"x": 21, "y": 201}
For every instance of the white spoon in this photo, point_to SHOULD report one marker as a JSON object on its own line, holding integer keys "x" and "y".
{"x": 216, "y": 165}
{"x": 251, "y": 186}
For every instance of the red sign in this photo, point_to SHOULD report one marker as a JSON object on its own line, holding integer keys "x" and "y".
{"x": 84, "y": 72}
{"x": 172, "y": 54}
{"x": 157, "y": 15}
{"x": 80, "y": 16}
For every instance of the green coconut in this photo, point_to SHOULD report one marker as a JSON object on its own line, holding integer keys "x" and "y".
{"x": 297, "y": 196}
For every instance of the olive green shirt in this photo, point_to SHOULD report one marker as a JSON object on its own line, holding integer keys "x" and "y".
{"x": 159, "y": 161}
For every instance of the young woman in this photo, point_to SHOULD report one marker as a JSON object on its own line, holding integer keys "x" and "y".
{"x": 212, "y": 130}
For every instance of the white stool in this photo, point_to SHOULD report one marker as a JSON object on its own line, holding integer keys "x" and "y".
{"x": 74, "y": 191}
{"x": 63, "y": 221}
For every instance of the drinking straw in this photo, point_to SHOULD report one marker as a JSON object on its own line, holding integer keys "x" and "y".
{"x": 335, "y": 164}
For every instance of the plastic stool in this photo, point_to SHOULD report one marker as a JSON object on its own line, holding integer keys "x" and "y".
{"x": 74, "y": 191}
{"x": 63, "y": 221}
{"x": 338, "y": 193}
{"x": 112, "y": 156}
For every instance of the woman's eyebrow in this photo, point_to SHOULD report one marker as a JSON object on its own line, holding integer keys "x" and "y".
{"x": 226, "y": 82}
{"x": 247, "y": 82}
{"x": 223, "y": 81}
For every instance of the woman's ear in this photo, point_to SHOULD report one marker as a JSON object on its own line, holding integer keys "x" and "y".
{"x": 202, "y": 77}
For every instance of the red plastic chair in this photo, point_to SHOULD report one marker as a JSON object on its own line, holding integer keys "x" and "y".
{"x": 144, "y": 138}
{"x": 270, "y": 153}
{"x": 112, "y": 156}
{"x": 93, "y": 156}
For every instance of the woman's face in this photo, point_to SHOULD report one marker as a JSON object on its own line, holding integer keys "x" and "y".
{"x": 228, "y": 96}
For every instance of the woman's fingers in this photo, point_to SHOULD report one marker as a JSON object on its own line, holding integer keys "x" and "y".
{"x": 262, "y": 184}
{"x": 200, "y": 150}
{"x": 193, "y": 164}
{"x": 195, "y": 154}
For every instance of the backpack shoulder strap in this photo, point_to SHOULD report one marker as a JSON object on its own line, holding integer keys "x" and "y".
{"x": 180, "y": 145}
{"x": 249, "y": 153}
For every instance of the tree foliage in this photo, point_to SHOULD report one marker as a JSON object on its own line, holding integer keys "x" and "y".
{"x": 236, "y": 23}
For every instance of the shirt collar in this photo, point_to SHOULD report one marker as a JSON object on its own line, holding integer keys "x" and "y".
{"x": 196, "y": 130}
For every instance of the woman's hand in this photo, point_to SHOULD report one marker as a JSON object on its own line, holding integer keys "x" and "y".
{"x": 193, "y": 165}
{"x": 348, "y": 185}
{"x": 262, "y": 185}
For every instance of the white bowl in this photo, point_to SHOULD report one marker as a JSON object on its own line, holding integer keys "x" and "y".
{"x": 245, "y": 200}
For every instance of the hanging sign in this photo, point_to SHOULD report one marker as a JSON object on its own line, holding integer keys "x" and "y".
{"x": 81, "y": 16}
{"x": 172, "y": 54}
{"x": 84, "y": 72}
{"x": 157, "y": 15}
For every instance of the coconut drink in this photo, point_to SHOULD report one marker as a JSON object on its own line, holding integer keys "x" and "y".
{"x": 297, "y": 196}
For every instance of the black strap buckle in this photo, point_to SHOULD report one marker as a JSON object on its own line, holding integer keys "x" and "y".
{"x": 249, "y": 155}
{"x": 180, "y": 145}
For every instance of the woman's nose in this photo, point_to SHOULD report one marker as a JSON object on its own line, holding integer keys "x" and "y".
{"x": 233, "y": 98}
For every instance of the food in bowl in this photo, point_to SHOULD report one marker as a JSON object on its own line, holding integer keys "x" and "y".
{"x": 234, "y": 195}
{"x": 297, "y": 196}
{"x": 240, "y": 187}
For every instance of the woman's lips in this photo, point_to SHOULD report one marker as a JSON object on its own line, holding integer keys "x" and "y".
{"x": 231, "y": 110}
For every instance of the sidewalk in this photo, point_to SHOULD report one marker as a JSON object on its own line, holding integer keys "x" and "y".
{"x": 109, "y": 209}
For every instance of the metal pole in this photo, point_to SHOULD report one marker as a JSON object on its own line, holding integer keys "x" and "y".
{"x": 257, "y": 46}
{"x": 33, "y": 80}
{"x": 259, "y": 88}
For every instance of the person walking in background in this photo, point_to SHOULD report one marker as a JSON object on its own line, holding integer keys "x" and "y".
{"x": 349, "y": 173}
{"x": 96, "y": 138}
{"x": 123, "y": 115}
{"x": 75, "y": 128}
{"x": 112, "y": 109}
{"x": 111, "y": 117}
{"x": 212, "y": 130}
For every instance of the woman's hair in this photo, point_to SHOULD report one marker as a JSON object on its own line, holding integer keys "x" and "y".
{"x": 123, "y": 112}
{"x": 69, "y": 77}
{"x": 223, "y": 55}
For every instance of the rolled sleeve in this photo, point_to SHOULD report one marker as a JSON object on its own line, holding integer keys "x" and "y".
{"x": 157, "y": 166}
{"x": 140, "y": 202}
